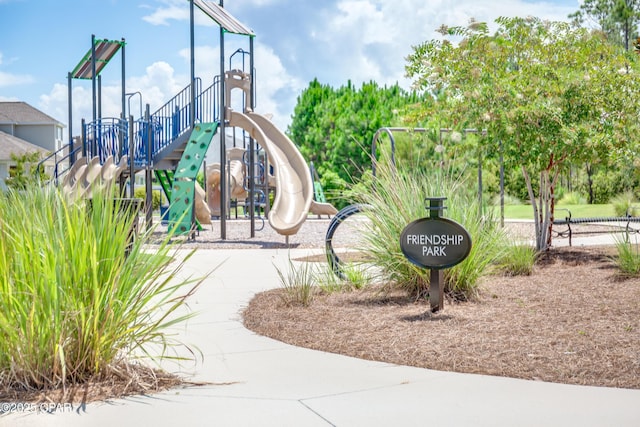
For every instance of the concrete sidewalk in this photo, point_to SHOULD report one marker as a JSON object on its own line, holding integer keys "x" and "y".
{"x": 257, "y": 381}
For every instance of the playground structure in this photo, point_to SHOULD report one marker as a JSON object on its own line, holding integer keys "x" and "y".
{"x": 86, "y": 176}
{"x": 172, "y": 144}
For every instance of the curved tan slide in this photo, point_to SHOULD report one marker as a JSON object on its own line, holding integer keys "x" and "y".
{"x": 87, "y": 174}
{"x": 203, "y": 213}
{"x": 294, "y": 189}
{"x": 236, "y": 174}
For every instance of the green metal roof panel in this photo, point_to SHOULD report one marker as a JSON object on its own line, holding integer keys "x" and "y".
{"x": 223, "y": 18}
{"x": 105, "y": 50}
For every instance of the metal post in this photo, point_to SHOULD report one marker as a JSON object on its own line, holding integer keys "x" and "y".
{"x": 436, "y": 290}
{"x": 192, "y": 113}
{"x": 99, "y": 99}
{"x": 132, "y": 171}
{"x": 93, "y": 74}
{"x": 223, "y": 152}
{"x": 83, "y": 131}
{"x": 436, "y": 284}
{"x": 70, "y": 129}
{"x": 123, "y": 77}
{"x": 252, "y": 147}
{"x": 148, "y": 176}
{"x": 480, "y": 181}
{"x": 501, "y": 185}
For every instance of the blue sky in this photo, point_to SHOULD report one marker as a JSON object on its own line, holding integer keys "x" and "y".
{"x": 296, "y": 41}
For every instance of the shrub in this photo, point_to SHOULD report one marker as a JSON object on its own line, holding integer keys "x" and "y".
{"x": 508, "y": 200}
{"x": 73, "y": 306}
{"x": 156, "y": 197}
{"x": 398, "y": 199}
{"x": 519, "y": 260}
{"x": 623, "y": 204}
{"x": 628, "y": 259}
{"x": 572, "y": 198}
{"x": 298, "y": 283}
{"x": 356, "y": 276}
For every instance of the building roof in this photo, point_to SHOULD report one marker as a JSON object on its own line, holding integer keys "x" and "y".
{"x": 10, "y": 144}
{"x": 22, "y": 113}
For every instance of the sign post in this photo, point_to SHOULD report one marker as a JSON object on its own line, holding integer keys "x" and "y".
{"x": 435, "y": 243}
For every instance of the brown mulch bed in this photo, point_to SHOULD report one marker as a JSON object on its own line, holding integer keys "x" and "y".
{"x": 125, "y": 379}
{"x": 575, "y": 320}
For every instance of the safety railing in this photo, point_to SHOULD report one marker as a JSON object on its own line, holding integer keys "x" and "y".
{"x": 60, "y": 160}
{"x": 105, "y": 137}
{"x": 110, "y": 136}
{"x": 173, "y": 119}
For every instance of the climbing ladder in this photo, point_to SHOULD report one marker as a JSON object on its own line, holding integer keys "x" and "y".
{"x": 181, "y": 210}
{"x": 165, "y": 178}
{"x": 318, "y": 193}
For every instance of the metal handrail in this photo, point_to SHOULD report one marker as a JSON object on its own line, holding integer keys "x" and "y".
{"x": 110, "y": 136}
{"x": 106, "y": 137}
{"x": 173, "y": 119}
{"x": 58, "y": 159}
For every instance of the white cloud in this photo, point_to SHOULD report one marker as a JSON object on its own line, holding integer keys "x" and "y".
{"x": 157, "y": 86}
{"x": 370, "y": 39}
{"x": 169, "y": 10}
{"x": 9, "y": 79}
{"x": 360, "y": 40}
{"x": 276, "y": 88}
{"x": 178, "y": 10}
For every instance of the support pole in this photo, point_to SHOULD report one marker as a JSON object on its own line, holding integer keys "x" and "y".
{"x": 192, "y": 110}
{"x": 148, "y": 176}
{"x": 252, "y": 147}
{"x": 70, "y": 129}
{"x": 436, "y": 290}
{"x": 223, "y": 152}
{"x": 436, "y": 284}
{"x": 132, "y": 172}
{"x": 123, "y": 99}
{"x": 93, "y": 75}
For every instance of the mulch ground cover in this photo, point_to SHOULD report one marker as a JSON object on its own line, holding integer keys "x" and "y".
{"x": 575, "y": 320}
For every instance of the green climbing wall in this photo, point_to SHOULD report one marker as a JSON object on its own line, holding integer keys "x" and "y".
{"x": 181, "y": 212}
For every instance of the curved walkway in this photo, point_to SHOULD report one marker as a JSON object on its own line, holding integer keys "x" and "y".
{"x": 257, "y": 381}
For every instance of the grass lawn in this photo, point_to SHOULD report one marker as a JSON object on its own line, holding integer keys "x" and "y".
{"x": 577, "y": 211}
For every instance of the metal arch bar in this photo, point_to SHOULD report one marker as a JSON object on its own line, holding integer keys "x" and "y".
{"x": 332, "y": 258}
{"x": 376, "y": 136}
{"x": 389, "y": 131}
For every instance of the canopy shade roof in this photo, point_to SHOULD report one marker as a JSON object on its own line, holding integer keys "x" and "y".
{"x": 105, "y": 50}
{"x": 223, "y": 18}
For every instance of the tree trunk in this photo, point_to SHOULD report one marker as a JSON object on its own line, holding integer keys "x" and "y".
{"x": 537, "y": 218}
{"x": 543, "y": 208}
{"x": 590, "y": 183}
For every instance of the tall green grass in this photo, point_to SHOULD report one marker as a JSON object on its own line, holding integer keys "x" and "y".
{"x": 398, "y": 198}
{"x": 628, "y": 259}
{"x": 518, "y": 260}
{"x": 72, "y": 304}
{"x": 298, "y": 283}
{"x": 623, "y": 204}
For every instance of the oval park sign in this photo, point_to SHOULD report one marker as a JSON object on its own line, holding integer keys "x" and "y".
{"x": 435, "y": 243}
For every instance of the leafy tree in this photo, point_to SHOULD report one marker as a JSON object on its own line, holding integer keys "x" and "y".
{"x": 334, "y": 127}
{"x": 547, "y": 93}
{"x": 21, "y": 175}
{"x": 618, "y": 19}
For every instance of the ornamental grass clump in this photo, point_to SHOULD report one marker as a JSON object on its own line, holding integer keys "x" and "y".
{"x": 628, "y": 259}
{"x": 519, "y": 260}
{"x": 78, "y": 297}
{"x": 398, "y": 198}
{"x": 298, "y": 282}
